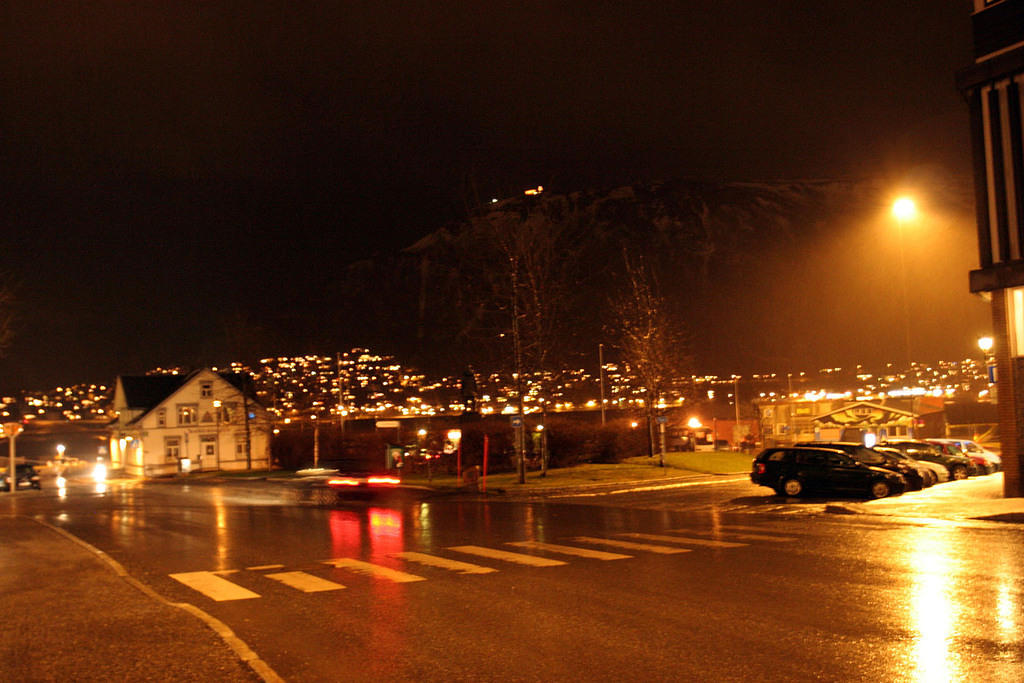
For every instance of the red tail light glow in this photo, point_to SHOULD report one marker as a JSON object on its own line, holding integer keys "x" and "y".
{"x": 343, "y": 482}
{"x": 384, "y": 481}
{"x": 759, "y": 468}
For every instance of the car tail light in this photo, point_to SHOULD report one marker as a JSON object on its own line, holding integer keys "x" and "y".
{"x": 384, "y": 481}
{"x": 342, "y": 482}
{"x": 759, "y": 468}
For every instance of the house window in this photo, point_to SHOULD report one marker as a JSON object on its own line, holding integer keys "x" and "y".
{"x": 161, "y": 417}
{"x": 188, "y": 413}
{"x": 206, "y": 389}
{"x": 172, "y": 448}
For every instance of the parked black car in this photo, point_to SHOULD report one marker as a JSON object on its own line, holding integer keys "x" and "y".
{"x": 793, "y": 470}
{"x": 862, "y": 454}
{"x": 27, "y": 477}
{"x": 959, "y": 466}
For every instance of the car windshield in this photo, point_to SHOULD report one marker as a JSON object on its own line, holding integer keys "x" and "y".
{"x": 916, "y": 449}
{"x": 971, "y": 447}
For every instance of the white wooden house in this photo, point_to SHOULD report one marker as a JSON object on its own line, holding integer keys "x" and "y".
{"x": 167, "y": 424}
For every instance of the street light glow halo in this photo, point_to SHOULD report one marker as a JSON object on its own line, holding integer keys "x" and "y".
{"x": 904, "y": 209}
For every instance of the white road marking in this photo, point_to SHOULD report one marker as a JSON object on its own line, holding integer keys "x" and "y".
{"x": 738, "y": 534}
{"x": 517, "y": 558}
{"x": 629, "y": 545}
{"x": 706, "y": 542}
{"x": 265, "y": 567}
{"x": 444, "y": 563}
{"x": 214, "y": 587}
{"x": 374, "y": 570}
{"x": 307, "y": 583}
{"x": 570, "y": 550}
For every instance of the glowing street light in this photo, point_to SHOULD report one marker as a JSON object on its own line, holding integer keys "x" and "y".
{"x": 985, "y": 343}
{"x": 904, "y": 209}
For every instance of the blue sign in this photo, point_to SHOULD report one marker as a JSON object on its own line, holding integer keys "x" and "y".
{"x": 517, "y": 421}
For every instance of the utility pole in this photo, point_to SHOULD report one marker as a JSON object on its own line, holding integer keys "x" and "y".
{"x": 12, "y": 429}
{"x": 736, "y": 404}
{"x": 341, "y": 397}
{"x": 600, "y": 360}
{"x": 245, "y": 417}
{"x": 518, "y": 353}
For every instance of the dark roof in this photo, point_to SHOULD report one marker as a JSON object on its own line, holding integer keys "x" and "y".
{"x": 147, "y": 391}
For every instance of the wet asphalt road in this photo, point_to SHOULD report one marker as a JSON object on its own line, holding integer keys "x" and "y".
{"x": 721, "y": 581}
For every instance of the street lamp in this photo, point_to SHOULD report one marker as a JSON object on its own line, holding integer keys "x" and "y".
{"x": 904, "y": 209}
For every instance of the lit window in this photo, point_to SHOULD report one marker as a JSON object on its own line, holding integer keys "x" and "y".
{"x": 1015, "y": 320}
{"x": 188, "y": 413}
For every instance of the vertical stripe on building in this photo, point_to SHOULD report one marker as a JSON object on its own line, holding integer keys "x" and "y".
{"x": 980, "y": 178}
{"x": 995, "y": 132}
{"x": 1016, "y": 152}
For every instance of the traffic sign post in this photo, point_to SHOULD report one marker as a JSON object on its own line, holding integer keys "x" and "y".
{"x": 11, "y": 430}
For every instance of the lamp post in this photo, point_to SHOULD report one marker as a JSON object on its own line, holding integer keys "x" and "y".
{"x": 904, "y": 209}
{"x": 216, "y": 417}
{"x": 600, "y": 361}
{"x": 12, "y": 429}
{"x": 316, "y": 441}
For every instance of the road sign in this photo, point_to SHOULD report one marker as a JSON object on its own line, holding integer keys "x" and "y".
{"x": 517, "y": 421}
{"x": 661, "y": 419}
{"x": 12, "y": 428}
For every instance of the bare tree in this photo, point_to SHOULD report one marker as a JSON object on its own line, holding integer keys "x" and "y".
{"x": 522, "y": 262}
{"x": 651, "y": 339}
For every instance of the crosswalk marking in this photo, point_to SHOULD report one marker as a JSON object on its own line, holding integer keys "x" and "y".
{"x": 629, "y": 545}
{"x": 518, "y": 558}
{"x": 374, "y": 570}
{"x": 570, "y": 550}
{"x": 706, "y": 542}
{"x": 745, "y": 536}
{"x": 307, "y": 583}
{"x": 265, "y": 567}
{"x": 736, "y": 527}
{"x": 213, "y": 586}
{"x": 444, "y": 563}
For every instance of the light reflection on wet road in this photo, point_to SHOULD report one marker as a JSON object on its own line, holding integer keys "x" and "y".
{"x": 751, "y": 590}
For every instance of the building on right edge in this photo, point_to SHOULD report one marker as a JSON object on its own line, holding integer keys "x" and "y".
{"x": 993, "y": 87}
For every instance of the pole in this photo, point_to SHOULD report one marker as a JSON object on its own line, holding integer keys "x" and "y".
{"x": 518, "y": 352}
{"x": 487, "y": 446}
{"x": 903, "y": 284}
{"x": 600, "y": 360}
{"x": 661, "y": 429}
{"x": 736, "y": 402}
{"x": 12, "y": 471}
{"x": 316, "y": 441}
{"x": 341, "y": 396}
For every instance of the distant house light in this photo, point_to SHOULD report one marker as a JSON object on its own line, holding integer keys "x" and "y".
{"x": 535, "y": 190}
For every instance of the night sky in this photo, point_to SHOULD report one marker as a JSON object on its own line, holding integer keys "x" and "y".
{"x": 178, "y": 174}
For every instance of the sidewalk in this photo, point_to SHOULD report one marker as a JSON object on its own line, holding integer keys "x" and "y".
{"x": 72, "y": 613}
{"x": 979, "y": 498}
